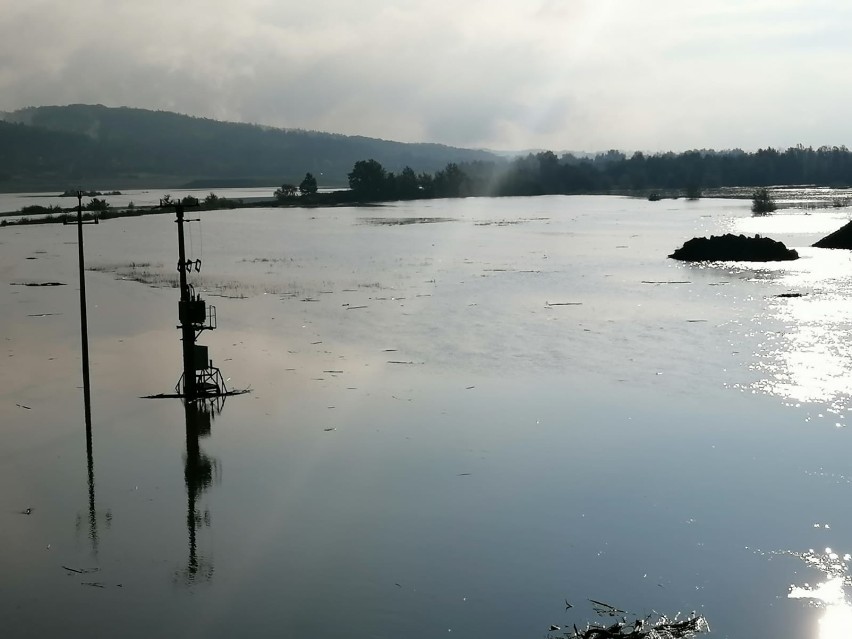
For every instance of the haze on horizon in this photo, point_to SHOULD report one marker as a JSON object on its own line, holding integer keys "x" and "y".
{"x": 591, "y": 75}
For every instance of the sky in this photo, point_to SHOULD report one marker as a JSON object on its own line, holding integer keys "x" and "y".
{"x": 581, "y": 75}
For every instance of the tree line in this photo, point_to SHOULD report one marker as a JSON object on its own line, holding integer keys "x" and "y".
{"x": 612, "y": 172}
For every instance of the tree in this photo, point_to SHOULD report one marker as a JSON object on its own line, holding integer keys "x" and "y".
{"x": 308, "y": 186}
{"x": 450, "y": 182}
{"x": 426, "y": 184}
{"x": 368, "y": 180}
{"x": 762, "y": 202}
{"x": 390, "y": 187}
{"x": 693, "y": 192}
{"x": 97, "y": 205}
{"x": 406, "y": 184}
{"x": 286, "y": 191}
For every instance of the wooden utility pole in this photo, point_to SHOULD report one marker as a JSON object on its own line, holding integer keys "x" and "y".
{"x": 84, "y": 323}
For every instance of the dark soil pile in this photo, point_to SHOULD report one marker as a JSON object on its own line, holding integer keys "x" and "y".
{"x": 840, "y": 239}
{"x": 728, "y": 247}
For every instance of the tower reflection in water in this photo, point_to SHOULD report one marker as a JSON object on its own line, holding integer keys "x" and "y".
{"x": 199, "y": 473}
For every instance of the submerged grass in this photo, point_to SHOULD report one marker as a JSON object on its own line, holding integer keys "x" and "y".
{"x": 156, "y": 275}
{"x": 143, "y": 272}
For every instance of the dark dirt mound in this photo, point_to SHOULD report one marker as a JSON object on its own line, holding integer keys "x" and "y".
{"x": 840, "y": 239}
{"x": 728, "y": 247}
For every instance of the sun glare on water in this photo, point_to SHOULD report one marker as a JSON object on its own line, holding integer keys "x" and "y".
{"x": 830, "y": 595}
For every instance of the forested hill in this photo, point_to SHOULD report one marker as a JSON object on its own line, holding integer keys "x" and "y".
{"x": 57, "y": 147}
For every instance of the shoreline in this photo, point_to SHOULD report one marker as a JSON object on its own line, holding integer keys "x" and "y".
{"x": 331, "y": 199}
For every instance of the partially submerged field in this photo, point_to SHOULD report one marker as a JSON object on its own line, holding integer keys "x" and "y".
{"x": 463, "y": 413}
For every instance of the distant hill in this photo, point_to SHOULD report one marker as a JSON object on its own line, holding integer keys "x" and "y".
{"x": 93, "y": 146}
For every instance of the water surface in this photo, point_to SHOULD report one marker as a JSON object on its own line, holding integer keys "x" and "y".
{"x": 463, "y": 413}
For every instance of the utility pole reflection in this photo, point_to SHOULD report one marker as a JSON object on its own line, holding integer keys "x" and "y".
{"x": 199, "y": 472}
{"x": 93, "y": 534}
{"x": 90, "y": 475}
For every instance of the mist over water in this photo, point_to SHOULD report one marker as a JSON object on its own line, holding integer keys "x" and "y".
{"x": 463, "y": 413}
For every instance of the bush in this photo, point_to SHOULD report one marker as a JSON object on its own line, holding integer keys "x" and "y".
{"x": 762, "y": 202}
{"x": 37, "y": 209}
{"x": 285, "y": 192}
{"x": 97, "y": 205}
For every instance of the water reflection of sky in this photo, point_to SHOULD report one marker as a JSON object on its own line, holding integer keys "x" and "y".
{"x": 528, "y": 453}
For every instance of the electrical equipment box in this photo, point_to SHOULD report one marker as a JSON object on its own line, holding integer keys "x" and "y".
{"x": 202, "y": 360}
{"x": 192, "y": 312}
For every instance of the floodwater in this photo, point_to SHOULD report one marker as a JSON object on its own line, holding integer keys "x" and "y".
{"x": 463, "y": 413}
{"x": 139, "y": 197}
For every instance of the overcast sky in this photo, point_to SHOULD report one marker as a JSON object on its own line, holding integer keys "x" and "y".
{"x": 501, "y": 74}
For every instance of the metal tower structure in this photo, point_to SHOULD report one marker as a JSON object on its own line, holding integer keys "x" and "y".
{"x": 200, "y": 378}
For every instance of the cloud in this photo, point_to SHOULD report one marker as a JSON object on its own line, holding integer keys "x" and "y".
{"x": 562, "y": 74}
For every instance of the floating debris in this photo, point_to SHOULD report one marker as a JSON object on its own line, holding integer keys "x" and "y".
{"x": 81, "y": 571}
{"x": 663, "y": 628}
{"x": 605, "y": 609}
{"x": 37, "y": 284}
{"x": 639, "y": 628}
{"x": 403, "y": 221}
